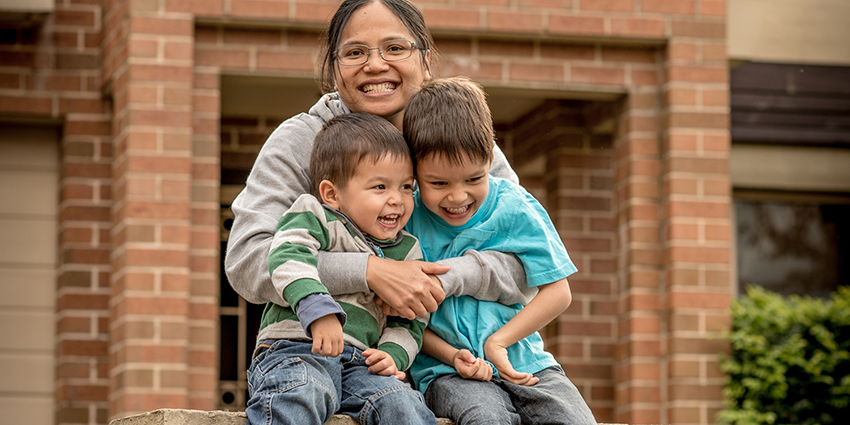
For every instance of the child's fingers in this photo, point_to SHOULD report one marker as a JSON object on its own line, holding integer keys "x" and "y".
{"x": 484, "y": 371}
{"x": 515, "y": 377}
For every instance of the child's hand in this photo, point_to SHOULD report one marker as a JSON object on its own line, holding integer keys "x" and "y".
{"x": 497, "y": 353}
{"x": 327, "y": 336}
{"x": 381, "y": 363}
{"x": 470, "y": 367}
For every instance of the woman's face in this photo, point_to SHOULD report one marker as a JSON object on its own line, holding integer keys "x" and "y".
{"x": 379, "y": 87}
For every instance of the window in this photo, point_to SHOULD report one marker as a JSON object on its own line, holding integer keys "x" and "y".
{"x": 792, "y": 244}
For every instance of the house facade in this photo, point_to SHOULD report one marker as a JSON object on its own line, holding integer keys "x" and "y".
{"x": 128, "y": 126}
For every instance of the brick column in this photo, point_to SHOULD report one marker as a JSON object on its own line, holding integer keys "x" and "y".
{"x": 638, "y": 365}
{"x": 696, "y": 202}
{"x": 205, "y": 242}
{"x": 68, "y": 72}
{"x": 159, "y": 324}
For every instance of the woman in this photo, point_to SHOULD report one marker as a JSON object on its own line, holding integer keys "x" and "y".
{"x": 280, "y": 174}
{"x": 376, "y": 54}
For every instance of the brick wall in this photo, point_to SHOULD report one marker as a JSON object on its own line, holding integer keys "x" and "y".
{"x": 634, "y": 173}
{"x": 49, "y": 75}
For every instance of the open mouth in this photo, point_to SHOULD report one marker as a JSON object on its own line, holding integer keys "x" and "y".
{"x": 458, "y": 212}
{"x": 389, "y": 220}
{"x": 378, "y": 88}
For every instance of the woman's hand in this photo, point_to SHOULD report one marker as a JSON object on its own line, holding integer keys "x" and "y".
{"x": 470, "y": 367}
{"x": 381, "y": 363}
{"x": 497, "y": 353}
{"x": 408, "y": 287}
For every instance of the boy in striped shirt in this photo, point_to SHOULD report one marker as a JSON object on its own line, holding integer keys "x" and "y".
{"x": 322, "y": 354}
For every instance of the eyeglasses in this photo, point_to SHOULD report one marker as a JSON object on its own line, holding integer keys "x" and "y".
{"x": 390, "y": 51}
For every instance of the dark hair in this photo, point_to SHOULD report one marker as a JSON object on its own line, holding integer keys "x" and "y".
{"x": 449, "y": 117}
{"x": 409, "y": 15}
{"x": 346, "y": 141}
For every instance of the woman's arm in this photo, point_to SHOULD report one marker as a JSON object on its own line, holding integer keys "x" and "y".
{"x": 279, "y": 176}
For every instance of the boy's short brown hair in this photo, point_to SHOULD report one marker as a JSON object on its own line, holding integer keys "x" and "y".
{"x": 347, "y": 140}
{"x": 449, "y": 117}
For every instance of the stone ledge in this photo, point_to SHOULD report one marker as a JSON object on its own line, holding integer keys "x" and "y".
{"x": 217, "y": 417}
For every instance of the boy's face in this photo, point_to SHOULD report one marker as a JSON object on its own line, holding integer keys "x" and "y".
{"x": 453, "y": 191}
{"x": 379, "y": 198}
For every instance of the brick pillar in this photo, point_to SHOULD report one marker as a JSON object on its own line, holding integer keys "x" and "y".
{"x": 159, "y": 322}
{"x": 696, "y": 205}
{"x": 205, "y": 242}
{"x": 68, "y": 71}
{"x": 638, "y": 361}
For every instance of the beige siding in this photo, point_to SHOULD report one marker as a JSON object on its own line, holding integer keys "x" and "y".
{"x": 28, "y": 208}
{"x": 791, "y": 31}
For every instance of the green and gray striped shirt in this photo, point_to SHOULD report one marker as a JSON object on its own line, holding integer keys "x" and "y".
{"x": 309, "y": 227}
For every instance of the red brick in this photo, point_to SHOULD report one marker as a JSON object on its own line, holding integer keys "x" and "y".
{"x": 159, "y": 210}
{"x": 698, "y": 165}
{"x": 692, "y": 28}
{"x": 607, "y": 5}
{"x": 197, "y": 7}
{"x": 218, "y": 56}
{"x": 451, "y": 18}
{"x": 681, "y": 186}
{"x": 513, "y": 21}
{"x": 285, "y": 60}
{"x": 161, "y": 26}
{"x": 70, "y": 301}
{"x": 160, "y": 73}
{"x": 484, "y": 2}
{"x": 705, "y": 209}
{"x": 714, "y": 52}
{"x": 713, "y": 8}
{"x": 25, "y": 104}
{"x": 315, "y": 11}
{"x": 598, "y": 75}
{"x": 717, "y": 187}
{"x": 698, "y": 120}
{"x": 637, "y": 27}
{"x": 699, "y": 255}
{"x": 640, "y": 77}
{"x": 206, "y": 35}
{"x": 178, "y": 51}
{"x": 506, "y": 48}
{"x": 160, "y": 118}
{"x": 536, "y": 72}
{"x": 160, "y": 306}
{"x": 253, "y": 36}
{"x": 682, "y": 7}
{"x": 628, "y": 54}
{"x": 567, "y": 51}
{"x": 80, "y": 18}
{"x": 577, "y": 25}
{"x": 696, "y": 74}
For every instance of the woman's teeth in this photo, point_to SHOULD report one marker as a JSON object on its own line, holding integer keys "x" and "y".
{"x": 378, "y": 88}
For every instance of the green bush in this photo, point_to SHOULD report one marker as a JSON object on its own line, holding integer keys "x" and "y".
{"x": 789, "y": 362}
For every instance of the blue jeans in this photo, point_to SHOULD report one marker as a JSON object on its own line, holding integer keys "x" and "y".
{"x": 288, "y": 384}
{"x": 553, "y": 400}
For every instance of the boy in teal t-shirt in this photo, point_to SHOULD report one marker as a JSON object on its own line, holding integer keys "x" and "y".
{"x": 458, "y": 207}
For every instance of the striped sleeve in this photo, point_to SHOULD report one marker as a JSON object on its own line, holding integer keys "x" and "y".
{"x": 300, "y": 234}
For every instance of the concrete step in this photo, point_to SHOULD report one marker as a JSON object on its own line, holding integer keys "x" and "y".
{"x": 215, "y": 417}
{"x": 218, "y": 417}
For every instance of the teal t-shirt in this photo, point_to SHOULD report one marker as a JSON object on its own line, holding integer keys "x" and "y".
{"x": 510, "y": 220}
